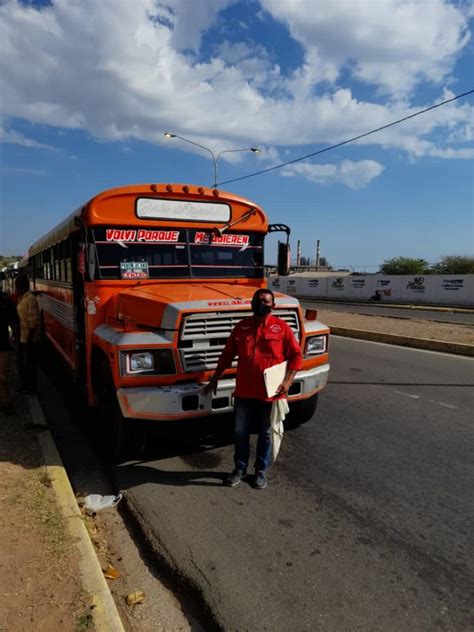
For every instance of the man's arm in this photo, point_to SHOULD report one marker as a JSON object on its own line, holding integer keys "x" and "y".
{"x": 225, "y": 361}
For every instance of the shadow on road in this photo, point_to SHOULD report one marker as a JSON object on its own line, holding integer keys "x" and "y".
{"x": 197, "y": 444}
{"x": 137, "y": 473}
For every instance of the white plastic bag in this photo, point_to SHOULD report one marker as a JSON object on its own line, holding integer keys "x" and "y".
{"x": 96, "y": 502}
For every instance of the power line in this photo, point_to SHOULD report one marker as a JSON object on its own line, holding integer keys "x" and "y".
{"x": 350, "y": 140}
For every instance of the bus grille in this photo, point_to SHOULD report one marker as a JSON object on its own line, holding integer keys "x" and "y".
{"x": 203, "y": 336}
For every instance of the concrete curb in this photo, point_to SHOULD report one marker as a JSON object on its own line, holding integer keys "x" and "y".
{"x": 426, "y": 308}
{"x": 457, "y": 348}
{"x": 103, "y": 608}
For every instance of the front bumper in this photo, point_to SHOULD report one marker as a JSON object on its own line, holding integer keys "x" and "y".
{"x": 184, "y": 401}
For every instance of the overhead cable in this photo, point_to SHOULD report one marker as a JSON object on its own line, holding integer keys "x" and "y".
{"x": 350, "y": 140}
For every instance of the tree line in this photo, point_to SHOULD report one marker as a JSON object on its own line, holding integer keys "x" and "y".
{"x": 451, "y": 264}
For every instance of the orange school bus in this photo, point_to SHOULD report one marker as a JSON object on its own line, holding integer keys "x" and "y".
{"x": 141, "y": 286}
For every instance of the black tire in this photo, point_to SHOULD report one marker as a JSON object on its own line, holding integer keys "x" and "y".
{"x": 121, "y": 439}
{"x": 301, "y": 412}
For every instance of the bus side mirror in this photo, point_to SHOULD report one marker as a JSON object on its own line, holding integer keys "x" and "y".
{"x": 2, "y": 276}
{"x": 283, "y": 259}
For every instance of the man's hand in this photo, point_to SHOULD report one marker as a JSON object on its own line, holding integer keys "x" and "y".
{"x": 283, "y": 388}
{"x": 210, "y": 387}
{"x": 286, "y": 384}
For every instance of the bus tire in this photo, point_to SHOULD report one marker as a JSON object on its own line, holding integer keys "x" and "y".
{"x": 122, "y": 439}
{"x": 301, "y": 412}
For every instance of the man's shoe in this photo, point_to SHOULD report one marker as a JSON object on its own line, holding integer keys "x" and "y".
{"x": 260, "y": 481}
{"x": 234, "y": 479}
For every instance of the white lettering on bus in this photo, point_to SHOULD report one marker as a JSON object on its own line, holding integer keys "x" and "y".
{"x": 201, "y": 238}
{"x": 115, "y": 234}
{"x": 230, "y": 240}
{"x": 158, "y": 235}
{"x": 238, "y": 240}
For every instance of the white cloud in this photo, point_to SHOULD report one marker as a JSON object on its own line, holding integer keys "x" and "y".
{"x": 187, "y": 23}
{"x": 392, "y": 44}
{"x": 354, "y": 175}
{"x": 10, "y": 136}
{"x": 119, "y": 69}
{"x": 449, "y": 152}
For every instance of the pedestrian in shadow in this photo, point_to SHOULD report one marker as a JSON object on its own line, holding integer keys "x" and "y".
{"x": 28, "y": 312}
{"x": 8, "y": 321}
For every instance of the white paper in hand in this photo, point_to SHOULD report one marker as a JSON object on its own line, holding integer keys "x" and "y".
{"x": 273, "y": 377}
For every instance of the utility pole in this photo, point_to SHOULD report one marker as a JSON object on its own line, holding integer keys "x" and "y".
{"x": 298, "y": 253}
{"x": 317, "y": 253}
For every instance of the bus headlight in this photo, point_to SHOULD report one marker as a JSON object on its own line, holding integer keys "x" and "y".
{"x": 315, "y": 345}
{"x": 147, "y": 362}
{"x": 141, "y": 362}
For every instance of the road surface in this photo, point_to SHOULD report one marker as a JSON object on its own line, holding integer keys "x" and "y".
{"x": 367, "y": 523}
{"x": 394, "y": 312}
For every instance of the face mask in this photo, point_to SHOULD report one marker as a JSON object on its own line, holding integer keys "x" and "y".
{"x": 260, "y": 309}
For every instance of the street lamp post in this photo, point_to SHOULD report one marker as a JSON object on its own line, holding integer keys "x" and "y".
{"x": 215, "y": 157}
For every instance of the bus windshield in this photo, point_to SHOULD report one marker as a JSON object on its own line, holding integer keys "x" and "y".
{"x": 135, "y": 253}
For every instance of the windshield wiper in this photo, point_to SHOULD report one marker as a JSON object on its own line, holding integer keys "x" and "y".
{"x": 221, "y": 231}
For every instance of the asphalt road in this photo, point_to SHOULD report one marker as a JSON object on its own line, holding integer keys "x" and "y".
{"x": 367, "y": 523}
{"x": 399, "y": 312}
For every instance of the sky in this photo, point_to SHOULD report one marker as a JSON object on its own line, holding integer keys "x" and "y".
{"x": 87, "y": 90}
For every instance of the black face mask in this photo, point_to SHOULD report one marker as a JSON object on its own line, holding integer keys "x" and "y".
{"x": 260, "y": 309}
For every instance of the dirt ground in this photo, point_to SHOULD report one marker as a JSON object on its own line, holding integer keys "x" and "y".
{"x": 448, "y": 332}
{"x": 40, "y": 588}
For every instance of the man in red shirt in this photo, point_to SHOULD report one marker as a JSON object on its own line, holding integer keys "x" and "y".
{"x": 260, "y": 341}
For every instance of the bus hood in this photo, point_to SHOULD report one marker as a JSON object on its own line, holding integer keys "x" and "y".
{"x": 160, "y": 305}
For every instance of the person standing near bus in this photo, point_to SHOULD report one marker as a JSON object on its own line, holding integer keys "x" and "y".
{"x": 28, "y": 312}
{"x": 8, "y": 320}
{"x": 260, "y": 341}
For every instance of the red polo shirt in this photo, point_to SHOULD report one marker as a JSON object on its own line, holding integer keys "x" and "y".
{"x": 259, "y": 344}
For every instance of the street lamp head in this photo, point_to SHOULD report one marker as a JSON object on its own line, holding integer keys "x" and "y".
{"x": 215, "y": 157}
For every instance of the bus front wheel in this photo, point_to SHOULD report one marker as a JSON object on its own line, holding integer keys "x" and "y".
{"x": 122, "y": 439}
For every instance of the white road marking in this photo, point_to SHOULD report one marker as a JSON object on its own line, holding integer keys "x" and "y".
{"x": 443, "y": 404}
{"x": 386, "y": 344}
{"x": 407, "y": 394}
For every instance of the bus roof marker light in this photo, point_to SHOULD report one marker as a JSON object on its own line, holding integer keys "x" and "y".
{"x": 201, "y": 191}
{"x": 186, "y": 189}
{"x": 215, "y": 193}
{"x": 154, "y": 188}
{"x": 169, "y": 188}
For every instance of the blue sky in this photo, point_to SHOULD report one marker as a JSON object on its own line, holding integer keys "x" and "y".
{"x": 88, "y": 88}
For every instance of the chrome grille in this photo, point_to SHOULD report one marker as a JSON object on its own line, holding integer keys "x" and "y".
{"x": 203, "y": 335}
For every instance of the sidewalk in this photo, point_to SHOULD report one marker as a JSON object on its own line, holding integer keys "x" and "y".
{"x": 424, "y": 334}
{"x": 39, "y": 566}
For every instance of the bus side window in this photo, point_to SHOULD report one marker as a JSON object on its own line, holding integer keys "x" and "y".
{"x": 67, "y": 261}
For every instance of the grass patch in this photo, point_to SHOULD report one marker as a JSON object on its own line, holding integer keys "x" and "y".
{"x": 34, "y": 493}
{"x": 84, "y": 622}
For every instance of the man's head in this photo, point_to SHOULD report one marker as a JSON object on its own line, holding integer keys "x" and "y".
{"x": 22, "y": 284}
{"x": 263, "y": 302}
